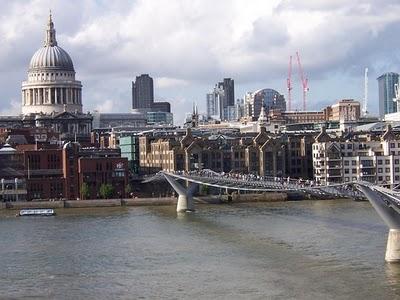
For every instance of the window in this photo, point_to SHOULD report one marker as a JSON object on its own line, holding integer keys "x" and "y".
{"x": 387, "y": 170}
{"x": 346, "y": 171}
{"x": 396, "y": 169}
{"x": 353, "y": 163}
{"x": 392, "y": 145}
{"x": 354, "y": 171}
{"x": 380, "y": 178}
{"x": 380, "y": 170}
{"x": 387, "y": 161}
{"x": 379, "y": 161}
{"x": 346, "y": 162}
{"x": 396, "y": 161}
{"x": 349, "y": 146}
{"x": 387, "y": 178}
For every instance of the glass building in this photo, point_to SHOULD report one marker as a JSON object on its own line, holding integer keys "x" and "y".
{"x": 160, "y": 117}
{"x": 129, "y": 146}
{"x": 386, "y": 84}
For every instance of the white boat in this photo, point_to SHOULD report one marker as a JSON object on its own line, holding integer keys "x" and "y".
{"x": 36, "y": 212}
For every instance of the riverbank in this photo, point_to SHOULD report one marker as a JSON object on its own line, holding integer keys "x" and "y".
{"x": 211, "y": 199}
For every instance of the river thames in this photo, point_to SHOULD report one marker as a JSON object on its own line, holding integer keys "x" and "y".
{"x": 286, "y": 250}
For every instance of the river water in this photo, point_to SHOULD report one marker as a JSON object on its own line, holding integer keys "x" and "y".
{"x": 288, "y": 250}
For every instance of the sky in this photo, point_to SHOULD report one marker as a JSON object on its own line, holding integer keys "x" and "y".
{"x": 188, "y": 46}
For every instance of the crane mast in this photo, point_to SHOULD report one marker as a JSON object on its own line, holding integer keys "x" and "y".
{"x": 289, "y": 84}
{"x": 365, "y": 108}
{"x": 304, "y": 82}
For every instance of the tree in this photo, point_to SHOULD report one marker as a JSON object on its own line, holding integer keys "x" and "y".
{"x": 106, "y": 190}
{"x": 205, "y": 189}
{"x": 85, "y": 190}
{"x": 128, "y": 189}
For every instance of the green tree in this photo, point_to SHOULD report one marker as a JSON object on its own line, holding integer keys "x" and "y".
{"x": 205, "y": 189}
{"x": 128, "y": 189}
{"x": 106, "y": 190}
{"x": 85, "y": 190}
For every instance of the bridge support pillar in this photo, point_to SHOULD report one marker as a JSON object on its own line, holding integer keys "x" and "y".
{"x": 185, "y": 198}
{"x": 393, "y": 246}
{"x": 390, "y": 216}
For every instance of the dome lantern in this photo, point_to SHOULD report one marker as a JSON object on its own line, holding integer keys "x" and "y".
{"x": 50, "y": 33}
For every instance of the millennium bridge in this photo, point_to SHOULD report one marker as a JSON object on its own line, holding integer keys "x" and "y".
{"x": 385, "y": 201}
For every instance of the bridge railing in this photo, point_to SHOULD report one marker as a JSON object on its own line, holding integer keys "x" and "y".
{"x": 267, "y": 183}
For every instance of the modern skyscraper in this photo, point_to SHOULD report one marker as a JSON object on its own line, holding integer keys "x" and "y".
{"x": 221, "y": 101}
{"x": 228, "y": 85}
{"x": 142, "y": 93}
{"x": 386, "y": 84}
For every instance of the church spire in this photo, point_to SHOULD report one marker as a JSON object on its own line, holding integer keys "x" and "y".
{"x": 50, "y": 33}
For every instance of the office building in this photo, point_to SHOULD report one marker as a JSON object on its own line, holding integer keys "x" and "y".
{"x": 228, "y": 85}
{"x": 254, "y": 101}
{"x": 386, "y": 84}
{"x": 159, "y": 118}
{"x": 142, "y": 93}
{"x": 220, "y": 99}
{"x": 161, "y": 107}
{"x": 346, "y": 110}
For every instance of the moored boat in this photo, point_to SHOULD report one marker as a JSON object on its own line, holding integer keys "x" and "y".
{"x": 36, "y": 212}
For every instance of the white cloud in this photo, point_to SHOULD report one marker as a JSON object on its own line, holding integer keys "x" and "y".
{"x": 105, "y": 107}
{"x": 13, "y": 109}
{"x": 187, "y": 43}
{"x": 165, "y": 82}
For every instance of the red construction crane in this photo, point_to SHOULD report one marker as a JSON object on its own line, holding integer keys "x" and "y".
{"x": 289, "y": 84}
{"x": 304, "y": 82}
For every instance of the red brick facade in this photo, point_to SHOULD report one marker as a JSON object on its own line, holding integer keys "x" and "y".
{"x": 55, "y": 174}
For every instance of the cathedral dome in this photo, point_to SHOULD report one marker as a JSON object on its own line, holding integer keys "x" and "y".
{"x": 51, "y": 87}
{"x": 51, "y": 56}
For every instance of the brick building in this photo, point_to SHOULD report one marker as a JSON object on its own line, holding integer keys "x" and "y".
{"x": 60, "y": 173}
{"x": 264, "y": 154}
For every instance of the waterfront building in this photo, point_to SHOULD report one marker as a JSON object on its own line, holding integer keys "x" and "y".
{"x": 372, "y": 157}
{"x": 260, "y": 153}
{"x": 142, "y": 93}
{"x": 12, "y": 175}
{"x": 386, "y": 85}
{"x": 60, "y": 173}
